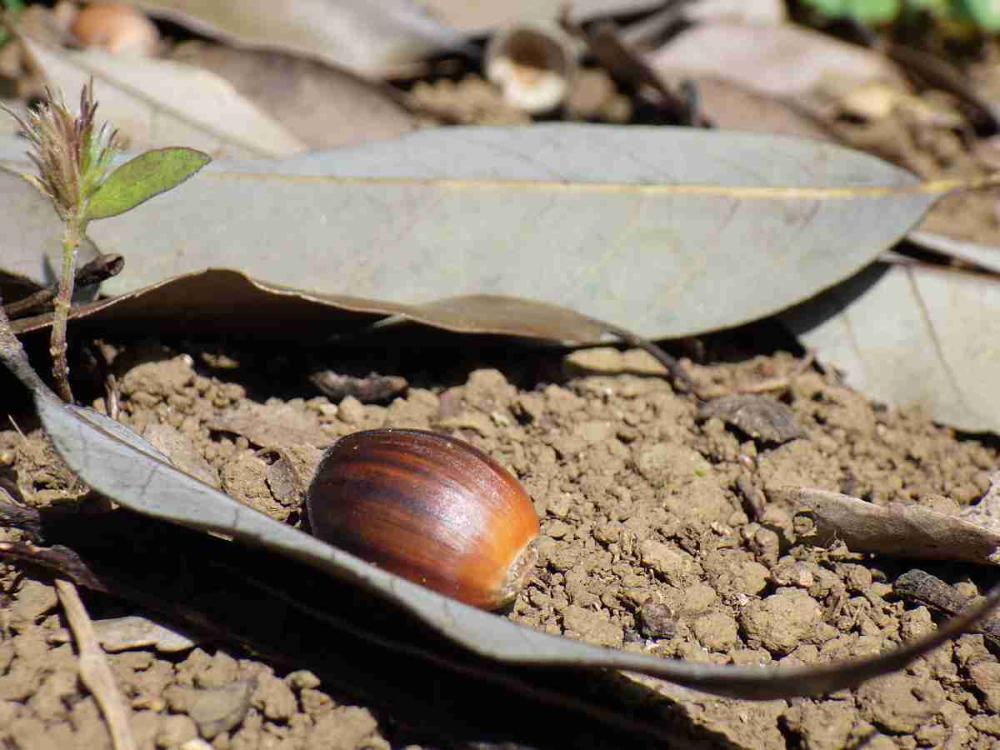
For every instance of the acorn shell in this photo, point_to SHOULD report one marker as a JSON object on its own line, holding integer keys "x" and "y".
{"x": 117, "y": 29}
{"x": 430, "y": 508}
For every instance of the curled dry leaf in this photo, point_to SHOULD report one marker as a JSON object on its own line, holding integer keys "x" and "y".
{"x": 760, "y": 417}
{"x": 222, "y": 301}
{"x": 923, "y": 588}
{"x": 896, "y": 530}
{"x": 368, "y": 389}
{"x": 121, "y": 468}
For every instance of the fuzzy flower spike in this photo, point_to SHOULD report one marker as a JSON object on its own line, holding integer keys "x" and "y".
{"x": 73, "y": 161}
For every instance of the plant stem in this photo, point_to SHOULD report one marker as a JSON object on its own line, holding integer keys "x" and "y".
{"x": 60, "y": 318}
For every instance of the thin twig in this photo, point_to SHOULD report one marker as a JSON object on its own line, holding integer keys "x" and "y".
{"x": 923, "y": 588}
{"x": 673, "y": 366}
{"x": 94, "y": 670}
{"x": 101, "y": 268}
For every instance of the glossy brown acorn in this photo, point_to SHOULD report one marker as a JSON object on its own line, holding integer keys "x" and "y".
{"x": 430, "y": 508}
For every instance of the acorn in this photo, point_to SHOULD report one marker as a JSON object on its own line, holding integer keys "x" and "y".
{"x": 430, "y": 508}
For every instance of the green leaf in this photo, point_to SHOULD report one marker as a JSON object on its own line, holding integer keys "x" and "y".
{"x": 143, "y": 177}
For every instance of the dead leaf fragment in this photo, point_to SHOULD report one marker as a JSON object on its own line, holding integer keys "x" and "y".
{"x": 369, "y": 389}
{"x": 125, "y": 633}
{"x": 783, "y": 60}
{"x": 273, "y": 426}
{"x": 760, "y": 417}
{"x": 896, "y": 530}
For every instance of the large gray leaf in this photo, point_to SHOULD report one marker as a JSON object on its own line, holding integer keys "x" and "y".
{"x": 912, "y": 335}
{"x": 663, "y": 231}
{"x": 31, "y": 239}
{"x": 137, "y": 477}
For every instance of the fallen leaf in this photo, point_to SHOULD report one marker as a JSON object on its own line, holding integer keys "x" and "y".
{"x": 369, "y": 389}
{"x": 321, "y": 105}
{"x": 273, "y": 426}
{"x": 760, "y": 417}
{"x": 912, "y": 335}
{"x": 31, "y": 240}
{"x": 666, "y": 232}
{"x": 758, "y": 12}
{"x": 478, "y": 19}
{"x": 783, "y": 60}
{"x": 222, "y": 301}
{"x": 117, "y": 634}
{"x": 380, "y": 39}
{"x": 120, "y": 468}
{"x": 896, "y": 530}
{"x": 985, "y": 257}
{"x": 730, "y": 106}
{"x": 156, "y": 103}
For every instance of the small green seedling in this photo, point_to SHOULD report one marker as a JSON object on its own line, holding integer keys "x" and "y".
{"x": 74, "y": 170}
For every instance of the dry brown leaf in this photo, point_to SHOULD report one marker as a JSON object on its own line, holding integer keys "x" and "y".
{"x": 730, "y": 106}
{"x": 479, "y": 18}
{"x": 782, "y": 60}
{"x": 323, "y": 106}
{"x": 380, "y": 38}
{"x": 896, "y": 529}
{"x": 273, "y": 426}
{"x": 760, "y": 417}
{"x": 125, "y": 633}
{"x": 157, "y": 103}
{"x": 224, "y": 301}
